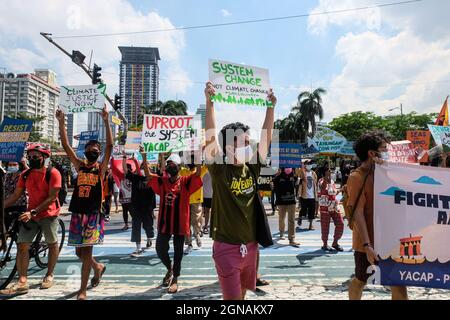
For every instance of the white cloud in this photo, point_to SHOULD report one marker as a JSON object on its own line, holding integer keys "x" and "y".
{"x": 392, "y": 56}
{"x": 225, "y": 13}
{"x": 19, "y": 32}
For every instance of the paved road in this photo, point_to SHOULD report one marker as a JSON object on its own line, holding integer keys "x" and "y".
{"x": 294, "y": 273}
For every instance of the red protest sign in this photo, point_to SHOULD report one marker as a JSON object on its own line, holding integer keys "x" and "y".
{"x": 421, "y": 141}
{"x": 402, "y": 151}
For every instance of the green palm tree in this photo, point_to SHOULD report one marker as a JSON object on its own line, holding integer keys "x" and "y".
{"x": 309, "y": 106}
{"x": 174, "y": 108}
{"x": 289, "y": 128}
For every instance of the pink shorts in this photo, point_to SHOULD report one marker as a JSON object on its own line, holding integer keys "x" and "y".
{"x": 236, "y": 267}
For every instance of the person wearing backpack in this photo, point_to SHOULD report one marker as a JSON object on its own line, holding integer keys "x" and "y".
{"x": 370, "y": 148}
{"x": 42, "y": 184}
{"x": 87, "y": 221}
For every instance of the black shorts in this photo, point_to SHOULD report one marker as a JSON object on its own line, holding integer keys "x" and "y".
{"x": 362, "y": 272}
{"x": 308, "y": 208}
{"x": 207, "y": 202}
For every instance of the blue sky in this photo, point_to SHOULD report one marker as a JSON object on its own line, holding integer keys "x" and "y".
{"x": 368, "y": 60}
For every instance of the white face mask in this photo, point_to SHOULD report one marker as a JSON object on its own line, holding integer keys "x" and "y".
{"x": 13, "y": 169}
{"x": 308, "y": 167}
{"x": 243, "y": 154}
{"x": 384, "y": 156}
{"x": 143, "y": 172}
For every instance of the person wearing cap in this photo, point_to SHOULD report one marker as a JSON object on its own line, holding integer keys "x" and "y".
{"x": 41, "y": 215}
{"x": 173, "y": 218}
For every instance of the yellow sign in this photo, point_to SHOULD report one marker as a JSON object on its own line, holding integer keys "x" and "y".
{"x": 116, "y": 120}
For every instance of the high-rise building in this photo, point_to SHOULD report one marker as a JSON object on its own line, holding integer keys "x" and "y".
{"x": 202, "y": 112}
{"x": 33, "y": 94}
{"x": 139, "y": 80}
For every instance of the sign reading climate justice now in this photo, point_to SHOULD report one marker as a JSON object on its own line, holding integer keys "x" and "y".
{"x": 239, "y": 84}
{"x": 412, "y": 225}
{"x": 171, "y": 133}
{"x": 14, "y": 135}
{"x": 78, "y": 99}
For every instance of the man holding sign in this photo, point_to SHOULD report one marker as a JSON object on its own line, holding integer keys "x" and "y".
{"x": 235, "y": 202}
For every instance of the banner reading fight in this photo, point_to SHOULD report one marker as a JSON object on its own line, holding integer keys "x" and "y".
{"x": 171, "y": 133}
{"x": 239, "y": 84}
{"x": 78, "y": 99}
{"x": 14, "y": 134}
{"x": 412, "y": 225}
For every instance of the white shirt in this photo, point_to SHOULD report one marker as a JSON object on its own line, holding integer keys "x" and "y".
{"x": 207, "y": 186}
{"x": 309, "y": 185}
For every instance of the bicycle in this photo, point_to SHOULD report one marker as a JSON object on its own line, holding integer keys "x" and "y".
{"x": 38, "y": 249}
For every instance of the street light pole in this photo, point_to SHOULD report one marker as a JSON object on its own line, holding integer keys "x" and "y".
{"x": 85, "y": 68}
{"x": 2, "y": 100}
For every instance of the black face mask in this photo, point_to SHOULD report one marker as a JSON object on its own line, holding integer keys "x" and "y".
{"x": 92, "y": 156}
{"x": 172, "y": 171}
{"x": 36, "y": 163}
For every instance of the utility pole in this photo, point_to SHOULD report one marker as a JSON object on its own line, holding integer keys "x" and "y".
{"x": 2, "y": 100}
{"x": 75, "y": 57}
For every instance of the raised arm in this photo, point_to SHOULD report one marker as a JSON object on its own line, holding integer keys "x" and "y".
{"x": 267, "y": 129}
{"x": 109, "y": 141}
{"x": 65, "y": 141}
{"x": 212, "y": 147}
{"x": 144, "y": 163}
{"x": 124, "y": 163}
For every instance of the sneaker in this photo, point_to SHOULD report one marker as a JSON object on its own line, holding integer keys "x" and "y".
{"x": 15, "y": 289}
{"x": 198, "y": 241}
{"x": 47, "y": 282}
{"x": 107, "y": 219}
{"x": 327, "y": 248}
{"x": 188, "y": 249}
{"x": 137, "y": 253}
{"x": 167, "y": 279}
{"x": 149, "y": 244}
{"x": 261, "y": 283}
{"x": 282, "y": 236}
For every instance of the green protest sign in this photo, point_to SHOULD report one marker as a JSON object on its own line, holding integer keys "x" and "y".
{"x": 239, "y": 84}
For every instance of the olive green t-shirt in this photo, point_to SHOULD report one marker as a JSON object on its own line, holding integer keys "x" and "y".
{"x": 233, "y": 213}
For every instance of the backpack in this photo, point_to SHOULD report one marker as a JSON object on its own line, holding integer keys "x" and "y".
{"x": 349, "y": 210}
{"x": 47, "y": 179}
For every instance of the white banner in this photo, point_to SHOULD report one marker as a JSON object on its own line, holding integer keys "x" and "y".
{"x": 171, "y": 133}
{"x": 412, "y": 225}
{"x": 78, "y": 99}
{"x": 239, "y": 84}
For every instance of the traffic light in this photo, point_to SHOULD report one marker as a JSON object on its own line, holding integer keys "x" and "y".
{"x": 117, "y": 102}
{"x": 78, "y": 57}
{"x": 96, "y": 74}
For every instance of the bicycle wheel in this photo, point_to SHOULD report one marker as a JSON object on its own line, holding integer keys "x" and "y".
{"x": 41, "y": 256}
{"x": 8, "y": 263}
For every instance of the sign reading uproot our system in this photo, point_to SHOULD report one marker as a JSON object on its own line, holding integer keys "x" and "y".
{"x": 171, "y": 133}
{"x": 14, "y": 134}
{"x": 239, "y": 84}
{"x": 85, "y": 137}
{"x": 78, "y": 99}
{"x": 286, "y": 155}
{"x": 412, "y": 225}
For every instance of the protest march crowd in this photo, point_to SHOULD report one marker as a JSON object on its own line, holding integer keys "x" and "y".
{"x": 216, "y": 196}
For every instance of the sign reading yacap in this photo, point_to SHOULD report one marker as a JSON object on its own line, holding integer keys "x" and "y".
{"x": 412, "y": 225}
{"x": 171, "y": 133}
{"x": 78, "y": 99}
{"x": 239, "y": 84}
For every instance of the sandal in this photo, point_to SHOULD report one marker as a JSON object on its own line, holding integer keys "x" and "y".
{"x": 167, "y": 279}
{"x": 261, "y": 283}
{"x": 173, "y": 286}
{"x": 96, "y": 281}
{"x": 46, "y": 283}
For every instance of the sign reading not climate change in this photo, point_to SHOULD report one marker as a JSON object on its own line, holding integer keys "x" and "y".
{"x": 171, "y": 133}
{"x": 239, "y": 84}
{"x": 78, "y": 99}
